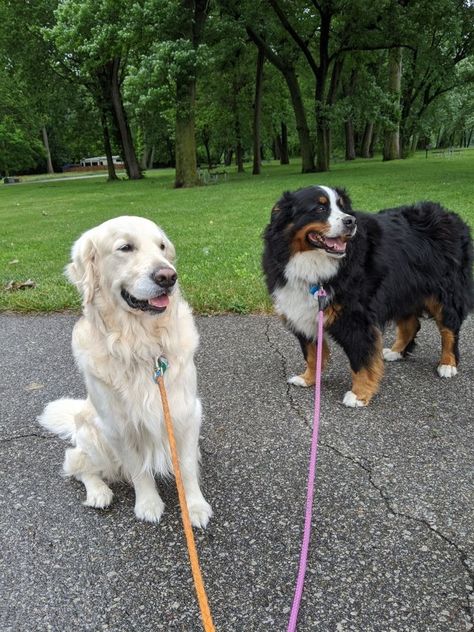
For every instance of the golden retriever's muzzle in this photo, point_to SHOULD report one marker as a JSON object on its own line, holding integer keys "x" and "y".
{"x": 165, "y": 280}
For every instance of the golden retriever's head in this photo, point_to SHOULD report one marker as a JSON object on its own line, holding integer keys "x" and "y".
{"x": 127, "y": 261}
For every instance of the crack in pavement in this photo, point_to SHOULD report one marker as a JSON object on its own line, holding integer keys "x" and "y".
{"x": 285, "y": 370}
{"x": 27, "y": 436}
{"x": 367, "y": 468}
{"x": 468, "y": 608}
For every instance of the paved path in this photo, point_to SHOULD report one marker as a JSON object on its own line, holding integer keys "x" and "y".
{"x": 393, "y": 546}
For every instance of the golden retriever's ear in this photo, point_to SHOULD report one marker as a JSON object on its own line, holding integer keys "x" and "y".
{"x": 82, "y": 270}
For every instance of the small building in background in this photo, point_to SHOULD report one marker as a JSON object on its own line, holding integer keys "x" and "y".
{"x": 100, "y": 161}
{"x": 95, "y": 163}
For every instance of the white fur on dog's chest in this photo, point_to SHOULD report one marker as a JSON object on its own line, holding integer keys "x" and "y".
{"x": 299, "y": 307}
{"x": 294, "y": 300}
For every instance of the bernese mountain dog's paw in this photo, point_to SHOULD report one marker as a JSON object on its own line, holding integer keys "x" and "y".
{"x": 447, "y": 370}
{"x": 350, "y": 400}
{"x": 299, "y": 380}
{"x": 391, "y": 356}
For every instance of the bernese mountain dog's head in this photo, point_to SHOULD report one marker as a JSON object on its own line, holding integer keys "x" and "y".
{"x": 316, "y": 217}
{"x": 312, "y": 225}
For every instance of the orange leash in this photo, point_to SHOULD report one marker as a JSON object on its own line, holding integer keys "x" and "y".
{"x": 188, "y": 530}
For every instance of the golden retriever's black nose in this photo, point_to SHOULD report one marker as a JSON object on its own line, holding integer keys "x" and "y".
{"x": 165, "y": 277}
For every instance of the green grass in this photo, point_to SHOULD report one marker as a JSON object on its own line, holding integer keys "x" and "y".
{"x": 217, "y": 228}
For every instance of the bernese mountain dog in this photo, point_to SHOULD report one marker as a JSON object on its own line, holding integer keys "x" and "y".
{"x": 395, "y": 265}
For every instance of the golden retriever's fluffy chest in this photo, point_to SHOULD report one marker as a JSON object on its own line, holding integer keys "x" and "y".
{"x": 125, "y": 366}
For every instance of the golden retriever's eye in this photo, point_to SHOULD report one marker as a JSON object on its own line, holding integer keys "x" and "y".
{"x": 126, "y": 248}
{"x": 162, "y": 246}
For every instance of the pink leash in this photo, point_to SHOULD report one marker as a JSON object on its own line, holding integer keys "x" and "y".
{"x": 321, "y": 294}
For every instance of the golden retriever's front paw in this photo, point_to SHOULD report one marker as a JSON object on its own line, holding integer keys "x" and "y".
{"x": 199, "y": 513}
{"x": 100, "y": 497}
{"x": 150, "y": 509}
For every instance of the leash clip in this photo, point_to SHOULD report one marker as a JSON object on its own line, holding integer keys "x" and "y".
{"x": 161, "y": 365}
{"x": 319, "y": 294}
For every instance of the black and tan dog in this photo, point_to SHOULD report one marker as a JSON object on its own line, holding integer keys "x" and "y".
{"x": 391, "y": 266}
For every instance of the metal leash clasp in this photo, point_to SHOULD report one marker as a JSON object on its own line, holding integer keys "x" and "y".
{"x": 161, "y": 365}
{"x": 319, "y": 294}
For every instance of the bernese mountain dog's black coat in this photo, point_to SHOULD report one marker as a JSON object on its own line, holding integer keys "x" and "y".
{"x": 391, "y": 266}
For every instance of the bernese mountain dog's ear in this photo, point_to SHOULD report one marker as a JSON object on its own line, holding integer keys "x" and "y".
{"x": 343, "y": 199}
{"x": 285, "y": 203}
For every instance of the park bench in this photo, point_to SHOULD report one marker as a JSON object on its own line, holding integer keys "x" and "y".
{"x": 447, "y": 151}
{"x": 211, "y": 176}
{"x": 11, "y": 180}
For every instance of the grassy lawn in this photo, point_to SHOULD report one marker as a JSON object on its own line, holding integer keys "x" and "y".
{"x": 216, "y": 228}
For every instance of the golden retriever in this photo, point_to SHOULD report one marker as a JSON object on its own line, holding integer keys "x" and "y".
{"x": 133, "y": 312}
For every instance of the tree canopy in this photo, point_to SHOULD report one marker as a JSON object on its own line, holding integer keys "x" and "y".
{"x": 197, "y": 83}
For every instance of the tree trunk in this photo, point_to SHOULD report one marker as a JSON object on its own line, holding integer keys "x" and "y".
{"x": 257, "y": 113}
{"x": 205, "y": 142}
{"x": 367, "y": 140}
{"x": 186, "y": 165}
{"x": 391, "y": 149}
{"x": 350, "y": 141}
{"x": 107, "y": 145}
{"x": 49, "y": 163}
{"x": 348, "y": 92}
{"x": 374, "y": 141}
{"x": 414, "y": 143}
{"x": 151, "y": 158}
{"x": 120, "y": 116}
{"x": 239, "y": 151}
{"x": 289, "y": 74}
{"x": 322, "y": 144}
{"x": 439, "y": 137}
{"x": 284, "y": 153}
{"x": 144, "y": 158}
{"x": 276, "y": 147}
{"x": 228, "y": 157}
{"x": 469, "y": 138}
{"x": 194, "y": 13}
{"x": 306, "y": 146}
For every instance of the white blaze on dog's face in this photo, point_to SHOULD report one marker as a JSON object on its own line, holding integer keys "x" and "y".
{"x": 318, "y": 222}
{"x": 127, "y": 260}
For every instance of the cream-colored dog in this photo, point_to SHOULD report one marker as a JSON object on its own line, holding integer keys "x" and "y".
{"x": 133, "y": 312}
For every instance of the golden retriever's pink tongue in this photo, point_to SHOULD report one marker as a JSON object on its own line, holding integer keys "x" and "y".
{"x": 160, "y": 301}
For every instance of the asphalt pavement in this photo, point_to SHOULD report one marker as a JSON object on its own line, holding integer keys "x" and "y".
{"x": 393, "y": 538}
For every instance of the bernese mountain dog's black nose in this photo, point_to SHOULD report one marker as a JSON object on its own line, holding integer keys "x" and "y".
{"x": 349, "y": 221}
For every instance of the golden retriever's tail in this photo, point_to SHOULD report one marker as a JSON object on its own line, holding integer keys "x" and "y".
{"x": 60, "y": 417}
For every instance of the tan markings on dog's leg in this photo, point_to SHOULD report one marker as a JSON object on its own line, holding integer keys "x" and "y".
{"x": 309, "y": 375}
{"x": 448, "y": 337}
{"x": 447, "y": 346}
{"x": 365, "y": 383}
{"x": 406, "y": 332}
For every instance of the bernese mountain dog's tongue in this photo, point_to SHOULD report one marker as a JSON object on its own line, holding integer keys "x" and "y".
{"x": 160, "y": 301}
{"x": 335, "y": 243}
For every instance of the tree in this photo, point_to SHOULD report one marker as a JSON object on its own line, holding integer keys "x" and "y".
{"x": 257, "y": 113}
{"x": 391, "y": 149}
{"x": 442, "y": 41}
{"x": 20, "y": 146}
{"x": 93, "y": 39}
{"x": 284, "y": 62}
